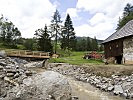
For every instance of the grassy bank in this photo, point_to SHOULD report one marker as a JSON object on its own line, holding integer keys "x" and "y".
{"x": 76, "y": 58}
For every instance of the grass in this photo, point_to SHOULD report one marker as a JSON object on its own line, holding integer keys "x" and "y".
{"x": 76, "y": 58}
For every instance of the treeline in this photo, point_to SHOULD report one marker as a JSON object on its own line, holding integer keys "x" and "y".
{"x": 52, "y": 38}
{"x": 88, "y": 44}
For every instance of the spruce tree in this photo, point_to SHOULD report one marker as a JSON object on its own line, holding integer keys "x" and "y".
{"x": 68, "y": 35}
{"x": 88, "y": 44}
{"x": 55, "y": 27}
{"x": 44, "y": 40}
{"x": 94, "y": 44}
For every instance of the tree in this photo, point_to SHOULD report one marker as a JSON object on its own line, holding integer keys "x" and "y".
{"x": 55, "y": 27}
{"x": 127, "y": 16}
{"x": 8, "y": 32}
{"x": 68, "y": 35}
{"x": 88, "y": 44}
{"x": 44, "y": 40}
{"x": 28, "y": 44}
{"x": 94, "y": 44}
{"x": 128, "y": 9}
{"x": 101, "y": 48}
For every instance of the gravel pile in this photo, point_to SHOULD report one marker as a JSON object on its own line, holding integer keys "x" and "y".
{"x": 12, "y": 73}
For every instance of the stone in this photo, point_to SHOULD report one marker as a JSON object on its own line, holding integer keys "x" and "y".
{"x": 3, "y": 54}
{"x": 40, "y": 86}
{"x": 74, "y": 98}
{"x": 16, "y": 75}
{"x": 10, "y": 70}
{"x": 1, "y": 67}
{"x": 110, "y": 88}
{"x": 3, "y": 64}
{"x": 10, "y": 74}
{"x": 118, "y": 89}
{"x": 28, "y": 73}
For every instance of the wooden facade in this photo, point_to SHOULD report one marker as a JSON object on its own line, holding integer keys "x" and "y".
{"x": 113, "y": 48}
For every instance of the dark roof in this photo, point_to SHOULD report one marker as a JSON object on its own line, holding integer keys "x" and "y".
{"x": 125, "y": 31}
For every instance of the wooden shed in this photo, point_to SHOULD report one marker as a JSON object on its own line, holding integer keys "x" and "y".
{"x": 119, "y": 46}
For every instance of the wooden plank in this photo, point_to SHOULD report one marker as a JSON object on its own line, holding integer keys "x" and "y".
{"x": 27, "y": 54}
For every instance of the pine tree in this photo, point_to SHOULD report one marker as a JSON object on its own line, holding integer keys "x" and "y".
{"x": 88, "y": 44}
{"x": 55, "y": 27}
{"x": 44, "y": 40}
{"x": 68, "y": 35}
{"x": 94, "y": 44}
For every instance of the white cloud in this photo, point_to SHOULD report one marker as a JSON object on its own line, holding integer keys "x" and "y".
{"x": 98, "y": 30}
{"x": 97, "y": 18}
{"x": 27, "y": 15}
{"x": 106, "y": 15}
{"x": 72, "y": 12}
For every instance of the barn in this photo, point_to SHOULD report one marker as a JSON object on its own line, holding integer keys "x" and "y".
{"x": 119, "y": 46}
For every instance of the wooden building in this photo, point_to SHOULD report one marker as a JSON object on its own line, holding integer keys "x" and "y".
{"x": 119, "y": 46}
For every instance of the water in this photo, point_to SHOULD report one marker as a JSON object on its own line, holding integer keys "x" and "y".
{"x": 85, "y": 91}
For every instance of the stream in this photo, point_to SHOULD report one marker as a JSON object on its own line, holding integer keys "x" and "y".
{"x": 85, "y": 91}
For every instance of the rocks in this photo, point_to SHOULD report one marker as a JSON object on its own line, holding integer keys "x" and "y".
{"x": 48, "y": 85}
{"x": 12, "y": 73}
{"x": 34, "y": 64}
{"x": 117, "y": 84}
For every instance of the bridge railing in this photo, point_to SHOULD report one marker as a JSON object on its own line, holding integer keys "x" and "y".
{"x": 27, "y": 53}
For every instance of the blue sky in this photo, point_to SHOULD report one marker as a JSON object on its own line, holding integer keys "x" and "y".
{"x": 90, "y": 17}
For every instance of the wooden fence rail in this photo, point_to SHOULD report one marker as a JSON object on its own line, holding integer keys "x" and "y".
{"x": 31, "y": 54}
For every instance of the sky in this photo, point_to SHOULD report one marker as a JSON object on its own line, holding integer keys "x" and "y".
{"x": 90, "y": 17}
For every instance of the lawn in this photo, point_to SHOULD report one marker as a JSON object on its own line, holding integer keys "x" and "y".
{"x": 76, "y": 58}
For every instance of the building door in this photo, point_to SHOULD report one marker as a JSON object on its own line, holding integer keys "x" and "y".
{"x": 118, "y": 59}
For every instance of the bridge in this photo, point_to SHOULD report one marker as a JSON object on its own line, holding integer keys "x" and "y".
{"x": 28, "y": 54}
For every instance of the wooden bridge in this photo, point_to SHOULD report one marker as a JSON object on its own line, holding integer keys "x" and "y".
{"x": 28, "y": 54}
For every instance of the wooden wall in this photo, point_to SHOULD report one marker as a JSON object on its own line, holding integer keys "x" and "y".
{"x": 113, "y": 48}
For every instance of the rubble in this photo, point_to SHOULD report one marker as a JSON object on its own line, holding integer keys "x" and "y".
{"x": 116, "y": 84}
{"x": 12, "y": 73}
{"x": 48, "y": 85}
{"x": 17, "y": 82}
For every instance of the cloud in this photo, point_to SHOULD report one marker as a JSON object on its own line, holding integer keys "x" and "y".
{"x": 28, "y": 15}
{"x": 72, "y": 12}
{"x": 105, "y": 17}
{"x": 98, "y": 30}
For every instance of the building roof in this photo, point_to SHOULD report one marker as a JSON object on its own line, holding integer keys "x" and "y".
{"x": 125, "y": 31}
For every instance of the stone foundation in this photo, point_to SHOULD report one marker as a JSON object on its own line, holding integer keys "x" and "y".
{"x": 128, "y": 50}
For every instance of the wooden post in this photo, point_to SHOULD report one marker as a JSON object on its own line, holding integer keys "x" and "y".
{"x": 18, "y": 52}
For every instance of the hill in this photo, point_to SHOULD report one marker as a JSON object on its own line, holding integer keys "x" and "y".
{"x": 80, "y": 38}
